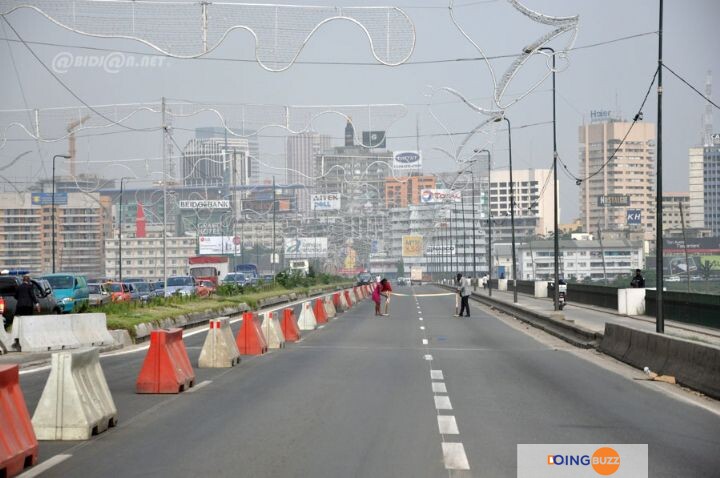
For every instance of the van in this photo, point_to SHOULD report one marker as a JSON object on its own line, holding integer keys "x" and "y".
{"x": 70, "y": 290}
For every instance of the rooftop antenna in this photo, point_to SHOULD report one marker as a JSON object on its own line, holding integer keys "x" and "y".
{"x": 708, "y": 116}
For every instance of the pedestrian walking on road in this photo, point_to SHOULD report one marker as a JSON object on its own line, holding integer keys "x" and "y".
{"x": 27, "y": 303}
{"x": 464, "y": 289}
{"x": 638, "y": 282}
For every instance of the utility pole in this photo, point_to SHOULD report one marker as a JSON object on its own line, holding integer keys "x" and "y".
{"x": 464, "y": 234}
{"x": 660, "y": 320}
{"x": 65, "y": 156}
{"x": 164, "y": 185}
{"x": 687, "y": 260}
{"x": 602, "y": 253}
{"x": 120, "y": 230}
{"x": 274, "y": 208}
{"x": 475, "y": 277}
{"x": 512, "y": 208}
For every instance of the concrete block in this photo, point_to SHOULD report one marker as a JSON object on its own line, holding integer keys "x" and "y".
{"x": 5, "y": 341}
{"x": 541, "y": 288}
{"x": 91, "y": 329}
{"x": 76, "y": 402}
{"x": 41, "y": 333}
{"x": 307, "y": 320}
{"x": 330, "y": 308}
{"x": 616, "y": 340}
{"x": 219, "y": 349}
{"x": 502, "y": 284}
{"x": 272, "y": 331}
{"x": 121, "y": 337}
{"x": 631, "y": 301}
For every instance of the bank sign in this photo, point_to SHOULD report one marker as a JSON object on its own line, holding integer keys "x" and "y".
{"x": 205, "y": 204}
{"x": 429, "y": 196}
{"x": 325, "y": 202}
{"x": 407, "y": 160}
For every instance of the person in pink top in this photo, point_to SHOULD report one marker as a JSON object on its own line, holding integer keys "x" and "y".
{"x": 382, "y": 289}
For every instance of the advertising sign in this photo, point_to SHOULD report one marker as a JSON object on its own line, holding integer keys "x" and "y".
{"x": 428, "y": 196}
{"x": 407, "y": 160}
{"x": 46, "y": 199}
{"x": 304, "y": 247}
{"x": 613, "y": 200}
{"x": 440, "y": 250}
{"x": 412, "y": 246}
{"x": 325, "y": 202}
{"x": 374, "y": 139}
{"x": 204, "y": 204}
{"x": 701, "y": 245}
{"x": 634, "y": 217}
{"x": 212, "y": 245}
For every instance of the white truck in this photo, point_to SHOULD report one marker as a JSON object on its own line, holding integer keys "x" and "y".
{"x": 416, "y": 275}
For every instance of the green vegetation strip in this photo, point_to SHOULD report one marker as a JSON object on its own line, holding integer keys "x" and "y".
{"x": 128, "y": 315}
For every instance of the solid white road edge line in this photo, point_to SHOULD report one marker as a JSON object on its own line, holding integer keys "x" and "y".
{"x": 44, "y": 466}
{"x": 199, "y": 386}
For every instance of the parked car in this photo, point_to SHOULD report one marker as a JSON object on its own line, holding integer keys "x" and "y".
{"x": 237, "y": 278}
{"x": 70, "y": 290}
{"x": 268, "y": 278}
{"x": 204, "y": 288}
{"x": 119, "y": 292}
{"x": 180, "y": 285}
{"x": 364, "y": 278}
{"x": 43, "y": 293}
{"x": 99, "y": 295}
{"x": 144, "y": 290}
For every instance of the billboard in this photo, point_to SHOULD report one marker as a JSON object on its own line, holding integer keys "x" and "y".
{"x": 325, "y": 202}
{"x": 374, "y": 139}
{"x": 613, "y": 200}
{"x": 412, "y": 246}
{"x": 634, "y": 217}
{"x": 440, "y": 250}
{"x": 204, "y": 204}
{"x": 429, "y": 196}
{"x": 407, "y": 160}
{"x": 700, "y": 245}
{"x": 46, "y": 199}
{"x": 212, "y": 245}
{"x": 305, "y": 247}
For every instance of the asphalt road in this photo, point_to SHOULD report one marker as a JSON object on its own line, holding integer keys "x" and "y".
{"x": 356, "y": 399}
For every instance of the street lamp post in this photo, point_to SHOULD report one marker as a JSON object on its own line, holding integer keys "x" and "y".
{"x": 512, "y": 207}
{"x": 65, "y": 156}
{"x": 489, "y": 254}
{"x": 120, "y": 230}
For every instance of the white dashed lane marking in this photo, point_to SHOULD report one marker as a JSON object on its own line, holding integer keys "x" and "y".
{"x": 425, "y": 341}
{"x": 442, "y": 402}
{"x": 422, "y": 327}
{"x": 454, "y": 456}
{"x": 439, "y": 387}
{"x": 447, "y": 425}
{"x": 436, "y": 375}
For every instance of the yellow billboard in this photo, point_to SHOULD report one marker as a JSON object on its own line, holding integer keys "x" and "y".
{"x": 412, "y": 246}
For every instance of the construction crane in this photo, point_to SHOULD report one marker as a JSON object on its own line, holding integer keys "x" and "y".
{"x": 71, "y": 127}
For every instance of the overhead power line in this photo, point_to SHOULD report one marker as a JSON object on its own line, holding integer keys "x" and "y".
{"x": 691, "y": 86}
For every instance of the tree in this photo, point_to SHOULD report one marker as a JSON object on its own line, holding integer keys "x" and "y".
{"x": 400, "y": 268}
{"x": 706, "y": 268}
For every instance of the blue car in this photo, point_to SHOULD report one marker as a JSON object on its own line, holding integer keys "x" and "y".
{"x": 70, "y": 290}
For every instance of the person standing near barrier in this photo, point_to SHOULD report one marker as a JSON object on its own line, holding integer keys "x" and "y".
{"x": 385, "y": 290}
{"x": 27, "y": 303}
{"x": 465, "y": 289}
{"x": 376, "y": 298}
{"x": 638, "y": 282}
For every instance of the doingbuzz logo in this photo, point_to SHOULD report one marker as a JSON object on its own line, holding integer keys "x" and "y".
{"x": 605, "y": 461}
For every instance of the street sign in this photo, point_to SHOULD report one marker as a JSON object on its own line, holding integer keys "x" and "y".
{"x": 46, "y": 199}
{"x": 613, "y": 200}
{"x": 205, "y": 204}
{"x": 634, "y": 217}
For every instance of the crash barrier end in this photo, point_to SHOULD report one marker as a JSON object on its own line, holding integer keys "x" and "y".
{"x": 250, "y": 339}
{"x": 290, "y": 329}
{"x": 166, "y": 368}
{"x": 76, "y": 402}
{"x": 219, "y": 349}
{"x": 18, "y": 443}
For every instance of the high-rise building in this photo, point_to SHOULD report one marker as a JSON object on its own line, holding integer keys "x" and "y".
{"x": 611, "y": 187}
{"x": 709, "y": 187}
{"x": 401, "y": 191}
{"x": 213, "y": 162}
{"x": 696, "y": 186}
{"x": 302, "y": 149}
{"x": 533, "y": 197}
{"x": 676, "y": 209}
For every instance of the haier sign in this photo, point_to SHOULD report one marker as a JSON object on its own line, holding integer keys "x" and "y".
{"x": 407, "y": 160}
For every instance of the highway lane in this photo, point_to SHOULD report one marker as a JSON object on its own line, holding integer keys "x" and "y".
{"x": 356, "y": 399}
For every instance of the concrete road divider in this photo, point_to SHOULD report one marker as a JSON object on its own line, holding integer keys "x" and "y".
{"x": 329, "y": 307}
{"x": 338, "y": 302}
{"x": 219, "y": 349}
{"x": 348, "y": 298}
{"x": 289, "y": 326}
{"x": 91, "y": 329}
{"x": 693, "y": 364}
{"x": 42, "y": 333}
{"x": 250, "y": 339}
{"x": 307, "y": 319}
{"x": 319, "y": 311}
{"x": 272, "y": 331}
{"x": 5, "y": 340}
{"x": 76, "y": 402}
{"x": 166, "y": 368}
{"x": 18, "y": 444}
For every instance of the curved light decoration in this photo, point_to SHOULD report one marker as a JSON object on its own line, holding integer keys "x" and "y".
{"x": 191, "y": 30}
{"x": 560, "y": 25}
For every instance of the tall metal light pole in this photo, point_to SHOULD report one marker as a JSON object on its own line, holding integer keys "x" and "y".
{"x": 659, "y": 319}
{"x": 512, "y": 207}
{"x": 489, "y": 254}
{"x": 120, "y": 230}
{"x": 556, "y": 239}
{"x": 65, "y": 156}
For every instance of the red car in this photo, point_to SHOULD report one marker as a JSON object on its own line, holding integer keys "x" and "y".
{"x": 119, "y": 292}
{"x": 204, "y": 288}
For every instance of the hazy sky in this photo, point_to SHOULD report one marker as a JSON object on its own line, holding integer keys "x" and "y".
{"x": 614, "y": 76}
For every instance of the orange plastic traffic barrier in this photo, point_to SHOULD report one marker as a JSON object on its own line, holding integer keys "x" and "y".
{"x": 347, "y": 297}
{"x": 289, "y": 326}
{"x": 250, "y": 339}
{"x": 320, "y": 314}
{"x": 336, "y": 302}
{"x": 18, "y": 444}
{"x": 166, "y": 368}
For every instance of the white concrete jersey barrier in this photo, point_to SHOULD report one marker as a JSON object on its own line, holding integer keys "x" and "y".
{"x": 330, "y": 307}
{"x": 5, "y": 340}
{"x": 307, "y": 320}
{"x": 91, "y": 329}
{"x": 220, "y": 349}
{"x": 42, "y": 333}
{"x": 631, "y": 301}
{"x": 76, "y": 402}
{"x": 272, "y": 331}
{"x": 541, "y": 288}
{"x": 351, "y": 294}
{"x": 343, "y": 302}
